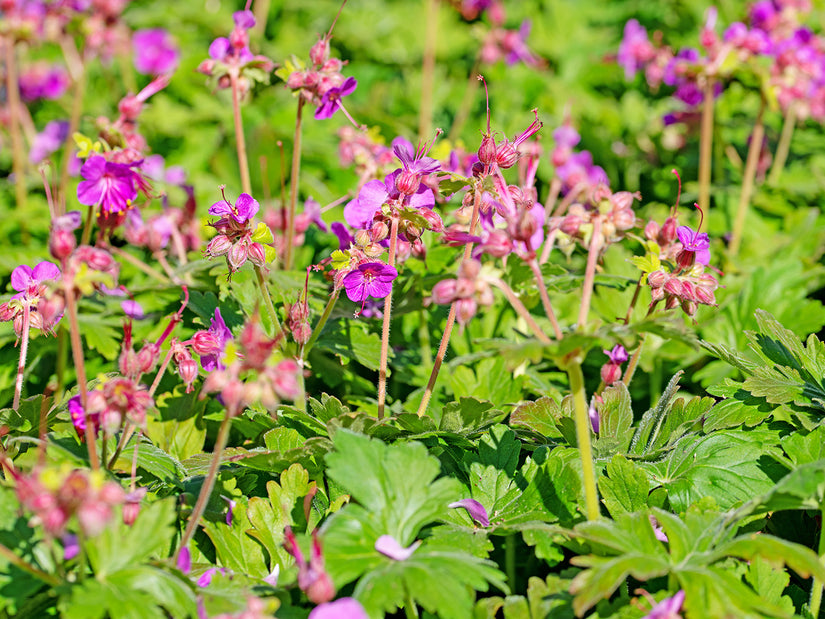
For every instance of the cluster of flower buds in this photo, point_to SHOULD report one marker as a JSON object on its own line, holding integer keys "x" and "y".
{"x": 55, "y": 495}
{"x": 321, "y": 84}
{"x": 468, "y": 291}
{"x": 236, "y": 238}
{"x": 113, "y": 401}
{"x": 297, "y": 321}
{"x": 231, "y": 58}
{"x": 505, "y": 153}
{"x": 613, "y": 211}
{"x": 312, "y": 577}
{"x": 251, "y": 370}
{"x": 35, "y": 297}
{"x": 687, "y": 288}
{"x": 370, "y": 156}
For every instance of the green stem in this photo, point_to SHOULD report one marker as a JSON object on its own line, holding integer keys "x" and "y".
{"x": 590, "y": 271}
{"x": 128, "y": 430}
{"x": 425, "y": 114}
{"x": 706, "y": 149}
{"x": 18, "y": 154}
{"x": 385, "y": 331}
{"x": 10, "y": 556}
{"x": 410, "y": 608}
{"x": 322, "y": 321}
{"x": 521, "y": 310}
{"x": 634, "y": 361}
{"x": 208, "y": 482}
{"x": 293, "y": 189}
{"x": 510, "y": 560}
{"x": 816, "y": 588}
{"x": 24, "y": 349}
{"x": 784, "y": 146}
{"x": 591, "y": 496}
{"x": 747, "y": 182}
{"x": 240, "y": 140}
{"x": 86, "y": 235}
{"x": 270, "y": 308}
{"x": 448, "y": 327}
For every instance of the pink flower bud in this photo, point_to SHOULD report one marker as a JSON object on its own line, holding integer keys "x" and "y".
{"x": 319, "y": 53}
{"x": 188, "y": 370}
{"x": 465, "y": 310}
{"x": 237, "y": 255}
{"x": 374, "y": 250}
{"x": 239, "y": 38}
{"x": 257, "y": 255}
{"x": 465, "y": 288}
{"x": 444, "y": 292}
{"x": 673, "y": 286}
{"x": 498, "y": 244}
{"x": 689, "y": 307}
{"x": 218, "y": 246}
{"x": 685, "y": 259}
{"x": 671, "y": 303}
{"x": 656, "y": 294}
{"x": 560, "y": 155}
{"x": 651, "y": 230}
{"x": 704, "y": 296}
{"x": 301, "y": 333}
{"x": 487, "y": 150}
{"x": 469, "y": 269}
{"x": 611, "y": 372}
{"x": 93, "y": 517}
{"x": 206, "y": 67}
{"x": 412, "y": 230}
{"x": 656, "y": 279}
{"x": 363, "y": 238}
{"x": 147, "y": 358}
{"x": 379, "y": 231}
{"x": 62, "y": 243}
{"x": 434, "y": 222}
{"x": 506, "y": 155}
{"x": 570, "y": 225}
{"x": 668, "y": 232}
{"x": 295, "y": 80}
{"x": 285, "y": 381}
{"x": 130, "y": 513}
{"x": 205, "y": 343}
{"x": 407, "y": 182}
{"x": 321, "y": 590}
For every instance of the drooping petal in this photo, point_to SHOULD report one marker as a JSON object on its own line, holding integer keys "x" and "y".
{"x": 387, "y": 545}
{"x": 474, "y": 509}
{"x": 344, "y": 608}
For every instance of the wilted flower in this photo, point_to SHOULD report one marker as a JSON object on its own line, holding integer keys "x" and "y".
{"x": 475, "y": 509}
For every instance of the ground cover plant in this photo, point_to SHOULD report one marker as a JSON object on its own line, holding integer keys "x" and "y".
{"x": 466, "y": 309}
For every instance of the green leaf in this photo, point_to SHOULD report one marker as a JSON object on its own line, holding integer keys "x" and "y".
{"x": 770, "y": 583}
{"x": 626, "y": 487}
{"x": 805, "y": 448}
{"x": 615, "y": 422}
{"x": 351, "y": 340}
{"x": 539, "y": 416}
{"x": 469, "y": 415}
{"x": 776, "y": 551}
{"x": 234, "y": 547}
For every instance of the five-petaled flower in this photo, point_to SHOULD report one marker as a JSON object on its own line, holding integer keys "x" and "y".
{"x": 245, "y": 208}
{"x": 331, "y": 100}
{"x": 370, "y": 279}
{"x": 697, "y": 244}
{"x": 113, "y": 186}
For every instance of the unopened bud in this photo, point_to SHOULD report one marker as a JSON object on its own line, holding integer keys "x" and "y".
{"x": 611, "y": 372}
{"x": 363, "y": 238}
{"x": 685, "y": 259}
{"x": 433, "y": 219}
{"x": 130, "y": 513}
{"x": 62, "y": 243}
{"x": 506, "y": 155}
{"x": 239, "y": 38}
{"x": 257, "y": 254}
{"x": 570, "y": 225}
{"x": 671, "y": 303}
{"x": 668, "y": 232}
{"x": 651, "y": 230}
{"x": 465, "y": 309}
{"x": 407, "y": 182}
{"x": 130, "y": 107}
{"x": 147, "y": 357}
{"x": 321, "y": 590}
{"x": 469, "y": 269}
{"x": 207, "y": 67}
{"x": 295, "y": 80}
{"x": 205, "y": 343}
{"x": 689, "y": 307}
{"x": 673, "y": 286}
{"x": 487, "y": 150}
{"x": 444, "y": 292}
{"x": 301, "y": 333}
{"x": 656, "y": 279}
{"x": 218, "y": 246}
{"x": 237, "y": 255}
{"x": 704, "y": 296}
{"x": 379, "y": 231}
{"x": 319, "y": 53}
{"x": 373, "y": 250}
{"x": 498, "y": 244}
{"x": 412, "y": 230}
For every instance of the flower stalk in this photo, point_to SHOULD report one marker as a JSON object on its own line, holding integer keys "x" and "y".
{"x": 706, "y": 146}
{"x": 293, "y": 188}
{"x": 590, "y": 272}
{"x": 747, "y": 182}
{"x": 545, "y": 297}
{"x": 270, "y": 308}
{"x": 385, "y": 330}
{"x": 24, "y": 349}
{"x": 322, "y": 321}
{"x": 783, "y": 148}
{"x": 18, "y": 154}
{"x": 240, "y": 139}
{"x": 591, "y": 496}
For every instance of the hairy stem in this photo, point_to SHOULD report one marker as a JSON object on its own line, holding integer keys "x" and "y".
{"x": 545, "y": 297}
{"x": 128, "y": 430}
{"x": 590, "y": 272}
{"x": 385, "y": 330}
{"x": 425, "y": 114}
{"x": 240, "y": 140}
{"x": 322, "y": 321}
{"x": 633, "y": 301}
{"x": 80, "y": 370}
{"x": 582, "y": 419}
{"x": 784, "y": 146}
{"x": 521, "y": 310}
{"x": 289, "y": 238}
{"x": 208, "y": 482}
{"x": 448, "y": 327}
{"x": 270, "y": 308}
{"x": 747, "y": 182}
{"x": 706, "y": 149}
{"x": 18, "y": 154}
{"x": 24, "y": 349}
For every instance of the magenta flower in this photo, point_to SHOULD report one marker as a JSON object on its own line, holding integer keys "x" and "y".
{"x": 49, "y": 140}
{"x": 43, "y": 81}
{"x": 359, "y": 213}
{"x": 370, "y": 279}
{"x": 132, "y": 309}
{"x": 669, "y": 608}
{"x": 27, "y": 281}
{"x": 244, "y": 210}
{"x": 222, "y": 335}
{"x": 111, "y": 185}
{"x": 635, "y": 50}
{"x": 155, "y": 51}
{"x": 697, "y": 243}
{"x": 331, "y": 100}
{"x": 343, "y": 608}
{"x": 474, "y": 509}
{"x": 617, "y": 354}
{"x": 414, "y": 160}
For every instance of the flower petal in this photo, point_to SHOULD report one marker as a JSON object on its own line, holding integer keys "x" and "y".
{"x": 387, "y": 545}
{"x": 20, "y": 277}
{"x": 474, "y": 509}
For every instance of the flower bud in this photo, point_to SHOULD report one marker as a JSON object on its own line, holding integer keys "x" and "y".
{"x": 285, "y": 380}
{"x": 527, "y": 226}
{"x": 668, "y": 232}
{"x": 444, "y": 292}
{"x": 407, "y": 182}
{"x": 130, "y": 107}
{"x": 433, "y": 219}
{"x": 207, "y": 67}
{"x": 93, "y": 517}
{"x": 333, "y": 65}
{"x": 611, "y": 372}
{"x": 704, "y": 296}
{"x": 301, "y": 333}
{"x": 373, "y": 250}
{"x": 50, "y": 310}
{"x": 656, "y": 294}
{"x": 465, "y": 309}
{"x": 656, "y": 279}
{"x": 673, "y": 287}
{"x": 560, "y": 155}
{"x": 465, "y": 288}
{"x": 487, "y": 150}
{"x": 321, "y": 590}
{"x": 239, "y": 38}
{"x": 685, "y": 259}
{"x": 379, "y": 231}
{"x": 412, "y": 231}
{"x": 498, "y": 244}
{"x": 62, "y": 243}
{"x": 205, "y": 343}
{"x": 469, "y": 269}
{"x": 188, "y": 370}
{"x": 130, "y": 513}
{"x": 295, "y": 80}
{"x": 506, "y": 155}
{"x": 651, "y": 230}
{"x": 237, "y": 255}
{"x": 319, "y": 53}
{"x": 570, "y": 225}
{"x": 147, "y": 358}
{"x": 671, "y": 303}
{"x": 257, "y": 254}
{"x": 362, "y": 238}
{"x": 689, "y": 307}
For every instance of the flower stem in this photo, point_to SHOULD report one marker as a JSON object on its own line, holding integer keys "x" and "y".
{"x": 322, "y": 321}
{"x": 270, "y": 308}
{"x": 240, "y": 140}
{"x": 706, "y": 149}
{"x": 410, "y": 609}
{"x": 18, "y": 154}
{"x": 128, "y": 430}
{"x": 545, "y": 297}
{"x": 510, "y": 560}
{"x": 784, "y": 146}
{"x": 385, "y": 330}
{"x": 591, "y": 496}
{"x": 293, "y": 188}
{"x": 448, "y": 327}
{"x": 86, "y": 235}
{"x": 521, "y": 310}
{"x": 633, "y": 301}
{"x": 80, "y": 370}
{"x": 590, "y": 272}
{"x": 208, "y": 482}
{"x": 140, "y": 264}
{"x": 24, "y": 349}
{"x": 816, "y": 588}
{"x": 747, "y": 182}
{"x": 10, "y": 556}
{"x": 425, "y": 114}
